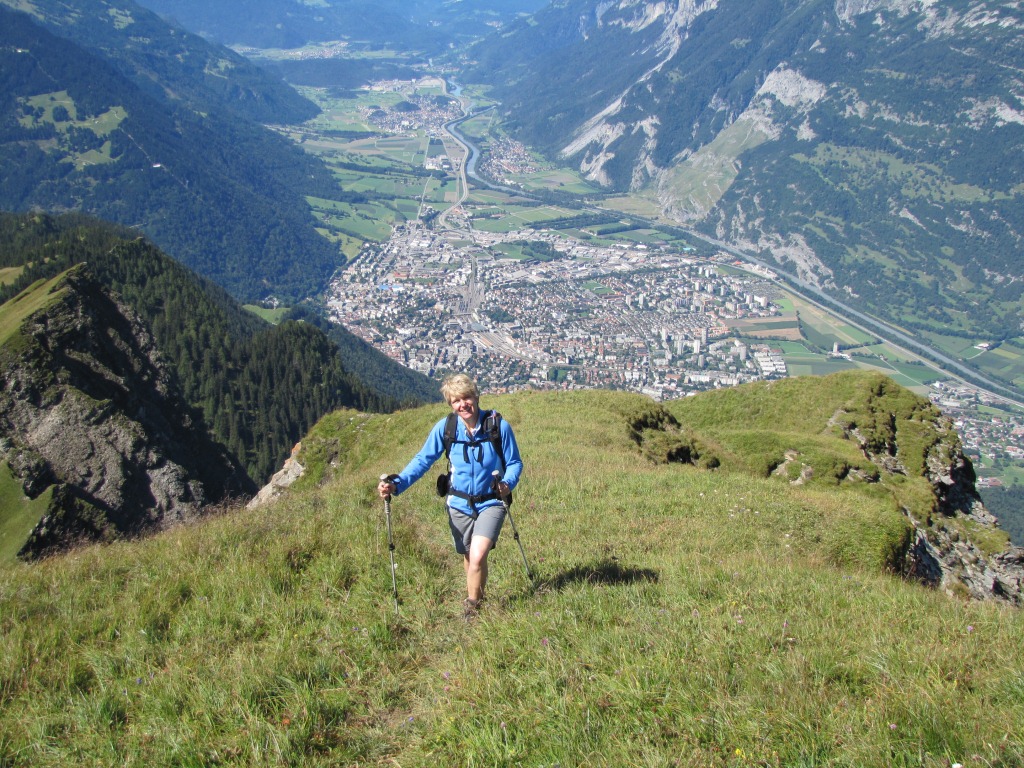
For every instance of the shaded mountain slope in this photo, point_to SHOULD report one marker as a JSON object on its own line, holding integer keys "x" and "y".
{"x": 169, "y": 63}
{"x": 260, "y": 386}
{"x": 93, "y": 418}
{"x": 430, "y": 26}
{"x": 221, "y": 194}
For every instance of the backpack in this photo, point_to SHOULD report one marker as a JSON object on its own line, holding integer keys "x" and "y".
{"x": 490, "y": 432}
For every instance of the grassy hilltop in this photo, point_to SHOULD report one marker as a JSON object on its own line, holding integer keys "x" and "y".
{"x": 686, "y": 615}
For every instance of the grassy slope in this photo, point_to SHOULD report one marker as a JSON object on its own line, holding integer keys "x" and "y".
{"x": 14, "y": 312}
{"x": 686, "y": 616}
{"x": 18, "y": 514}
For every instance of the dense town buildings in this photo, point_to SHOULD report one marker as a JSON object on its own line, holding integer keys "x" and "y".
{"x": 578, "y": 316}
{"x": 585, "y": 316}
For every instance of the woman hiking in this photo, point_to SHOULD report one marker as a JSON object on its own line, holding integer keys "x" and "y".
{"x": 478, "y": 443}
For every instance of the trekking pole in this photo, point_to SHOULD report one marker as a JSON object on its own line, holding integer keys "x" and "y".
{"x": 495, "y": 482}
{"x": 391, "y": 540}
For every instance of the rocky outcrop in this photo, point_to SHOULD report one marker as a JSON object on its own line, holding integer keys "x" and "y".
{"x": 946, "y": 552}
{"x": 89, "y": 412}
{"x": 282, "y": 480}
{"x": 957, "y": 545}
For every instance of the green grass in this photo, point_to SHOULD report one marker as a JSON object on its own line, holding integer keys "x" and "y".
{"x": 273, "y": 316}
{"x": 9, "y": 274}
{"x": 684, "y": 617}
{"x": 20, "y": 514}
{"x": 13, "y": 313}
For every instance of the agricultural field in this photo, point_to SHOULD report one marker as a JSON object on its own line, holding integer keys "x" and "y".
{"x": 824, "y": 330}
{"x": 1005, "y": 361}
{"x": 763, "y": 329}
{"x": 388, "y": 178}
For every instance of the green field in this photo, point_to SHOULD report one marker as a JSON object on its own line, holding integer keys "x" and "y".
{"x": 273, "y": 316}
{"x": 913, "y": 376}
{"x": 597, "y": 288}
{"x": 803, "y": 361}
{"x": 954, "y": 346}
{"x": 560, "y": 179}
{"x": 1005, "y": 361}
{"x": 824, "y": 329}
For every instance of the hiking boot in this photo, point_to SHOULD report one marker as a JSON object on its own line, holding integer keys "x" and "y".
{"x": 470, "y": 608}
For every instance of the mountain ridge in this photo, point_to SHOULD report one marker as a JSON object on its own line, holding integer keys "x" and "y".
{"x": 222, "y": 194}
{"x": 682, "y": 614}
{"x": 229, "y": 362}
{"x": 93, "y": 417}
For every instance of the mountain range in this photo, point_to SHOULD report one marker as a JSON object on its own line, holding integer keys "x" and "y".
{"x": 426, "y": 26}
{"x": 110, "y": 111}
{"x": 869, "y": 148}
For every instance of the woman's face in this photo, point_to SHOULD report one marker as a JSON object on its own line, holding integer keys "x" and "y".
{"x": 466, "y": 408}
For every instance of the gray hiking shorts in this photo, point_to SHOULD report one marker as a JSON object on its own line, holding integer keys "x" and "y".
{"x": 488, "y": 523}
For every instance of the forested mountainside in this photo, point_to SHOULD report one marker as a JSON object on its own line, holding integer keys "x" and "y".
{"x": 167, "y": 62}
{"x": 428, "y": 26}
{"x": 1007, "y": 504}
{"x": 870, "y": 148}
{"x": 260, "y": 387}
{"x": 94, "y": 430}
{"x": 223, "y": 195}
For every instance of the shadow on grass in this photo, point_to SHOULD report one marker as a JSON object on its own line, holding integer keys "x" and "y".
{"x": 603, "y": 572}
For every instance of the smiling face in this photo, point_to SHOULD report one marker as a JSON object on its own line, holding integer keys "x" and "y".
{"x": 467, "y": 407}
{"x": 462, "y": 395}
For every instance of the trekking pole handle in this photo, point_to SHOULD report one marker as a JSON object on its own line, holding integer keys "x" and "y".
{"x": 386, "y": 478}
{"x": 496, "y": 482}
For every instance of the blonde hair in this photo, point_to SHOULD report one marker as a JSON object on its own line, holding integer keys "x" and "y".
{"x": 458, "y": 386}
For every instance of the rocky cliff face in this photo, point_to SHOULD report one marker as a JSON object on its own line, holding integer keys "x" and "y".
{"x": 88, "y": 412}
{"x": 946, "y": 551}
{"x": 957, "y": 545}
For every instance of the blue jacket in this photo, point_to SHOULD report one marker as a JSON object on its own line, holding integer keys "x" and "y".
{"x": 471, "y": 469}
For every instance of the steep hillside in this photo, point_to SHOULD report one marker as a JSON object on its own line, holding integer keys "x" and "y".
{"x": 864, "y": 430}
{"x": 682, "y": 615}
{"x": 219, "y": 193}
{"x": 94, "y": 420}
{"x": 860, "y": 146}
{"x": 260, "y": 387}
{"x": 168, "y": 63}
{"x": 429, "y": 26}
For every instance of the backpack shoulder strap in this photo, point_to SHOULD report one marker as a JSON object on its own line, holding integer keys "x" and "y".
{"x": 492, "y": 425}
{"x": 449, "y": 433}
{"x": 492, "y": 432}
